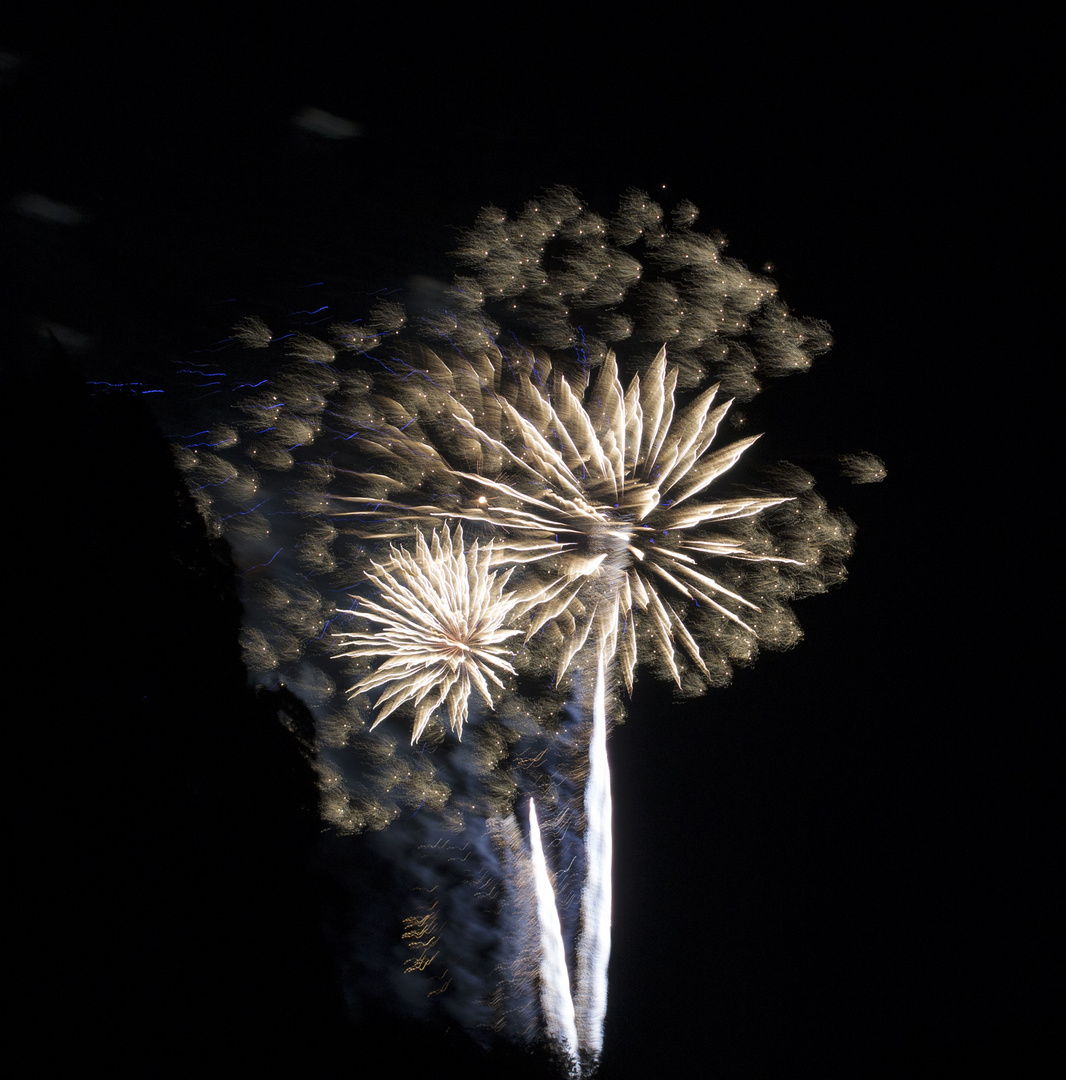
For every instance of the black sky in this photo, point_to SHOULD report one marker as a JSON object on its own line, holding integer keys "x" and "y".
{"x": 843, "y": 864}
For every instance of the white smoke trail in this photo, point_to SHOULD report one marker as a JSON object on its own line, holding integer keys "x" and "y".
{"x": 594, "y": 945}
{"x": 556, "y": 1001}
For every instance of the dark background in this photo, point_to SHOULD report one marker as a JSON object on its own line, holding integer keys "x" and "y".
{"x": 843, "y": 864}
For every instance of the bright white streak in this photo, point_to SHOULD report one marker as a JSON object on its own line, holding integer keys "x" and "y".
{"x": 556, "y": 1001}
{"x": 594, "y": 945}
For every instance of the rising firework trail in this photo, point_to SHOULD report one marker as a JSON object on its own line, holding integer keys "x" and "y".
{"x": 556, "y": 423}
{"x": 555, "y": 995}
{"x": 594, "y": 944}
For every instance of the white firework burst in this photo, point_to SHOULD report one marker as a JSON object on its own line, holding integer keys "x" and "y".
{"x": 608, "y": 494}
{"x": 609, "y": 534}
{"x": 598, "y": 485}
{"x": 440, "y": 626}
{"x": 615, "y": 472}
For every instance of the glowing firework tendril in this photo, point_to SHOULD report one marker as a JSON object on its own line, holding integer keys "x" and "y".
{"x": 601, "y": 528}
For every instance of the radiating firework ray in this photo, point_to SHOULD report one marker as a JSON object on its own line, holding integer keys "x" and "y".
{"x": 441, "y": 625}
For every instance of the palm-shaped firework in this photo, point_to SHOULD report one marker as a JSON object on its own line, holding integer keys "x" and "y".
{"x": 580, "y": 523}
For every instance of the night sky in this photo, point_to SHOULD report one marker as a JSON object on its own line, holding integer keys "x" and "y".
{"x": 842, "y": 865}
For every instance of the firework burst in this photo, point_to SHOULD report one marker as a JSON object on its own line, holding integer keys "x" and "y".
{"x": 502, "y": 407}
{"x": 441, "y": 625}
{"x": 601, "y": 489}
{"x": 604, "y": 528}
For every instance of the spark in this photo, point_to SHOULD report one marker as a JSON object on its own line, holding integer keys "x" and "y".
{"x": 863, "y": 468}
